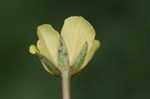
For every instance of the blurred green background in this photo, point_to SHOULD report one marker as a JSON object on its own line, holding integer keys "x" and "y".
{"x": 119, "y": 70}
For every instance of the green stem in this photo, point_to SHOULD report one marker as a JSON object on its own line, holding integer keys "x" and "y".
{"x": 66, "y": 85}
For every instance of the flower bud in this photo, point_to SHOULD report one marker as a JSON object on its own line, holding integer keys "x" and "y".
{"x": 71, "y": 50}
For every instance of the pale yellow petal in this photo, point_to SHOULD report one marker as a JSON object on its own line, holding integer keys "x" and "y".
{"x": 49, "y": 39}
{"x": 90, "y": 53}
{"x": 75, "y": 32}
{"x": 43, "y": 49}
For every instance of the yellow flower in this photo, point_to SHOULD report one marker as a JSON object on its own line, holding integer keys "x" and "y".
{"x": 72, "y": 49}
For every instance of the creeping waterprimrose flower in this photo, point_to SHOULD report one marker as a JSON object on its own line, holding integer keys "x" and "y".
{"x": 70, "y": 50}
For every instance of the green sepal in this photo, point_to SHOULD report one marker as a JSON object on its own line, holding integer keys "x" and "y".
{"x": 63, "y": 59}
{"x": 48, "y": 65}
{"x": 80, "y": 59}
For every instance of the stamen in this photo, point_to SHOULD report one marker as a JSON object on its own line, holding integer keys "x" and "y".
{"x": 33, "y": 49}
